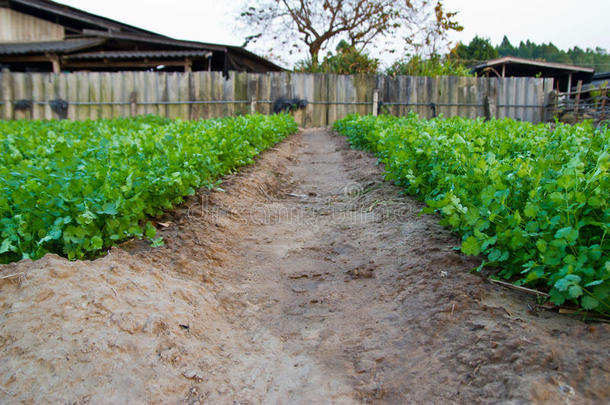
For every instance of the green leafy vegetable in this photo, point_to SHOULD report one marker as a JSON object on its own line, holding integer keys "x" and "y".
{"x": 533, "y": 198}
{"x": 75, "y": 188}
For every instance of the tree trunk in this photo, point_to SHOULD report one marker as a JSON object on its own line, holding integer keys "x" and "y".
{"x": 314, "y": 51}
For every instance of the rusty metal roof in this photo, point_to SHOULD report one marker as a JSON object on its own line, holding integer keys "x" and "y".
{"x": 512, "y": 60}
{"x": 65, "y": 46}
{"x": 139, "y": 54}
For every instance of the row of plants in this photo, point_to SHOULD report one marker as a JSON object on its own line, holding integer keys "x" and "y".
{"x": 75, "y": 188}
{"x": 532, "y": 199}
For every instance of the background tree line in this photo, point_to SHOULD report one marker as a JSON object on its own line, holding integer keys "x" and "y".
{"x": 481, "y": 49}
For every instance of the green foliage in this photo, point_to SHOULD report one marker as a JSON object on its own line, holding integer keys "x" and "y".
{"x": 534, "y": 199}
{"x": 433, "y": 66}
{"x": 75, "y": 188}
{"x": 348, "y": 60}
{"x": 477, "y": 49}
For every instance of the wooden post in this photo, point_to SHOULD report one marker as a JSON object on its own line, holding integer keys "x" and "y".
{"x": 188, "y": 65}
{"x": 192, "y": 96}
{"x": 569, "y": 85}
{"x": 133, "y": 103}
{"x": 7, "y": 96}
{"x": 486, "y": 108}
{"x": 253, "y": 105}
{"x": 55, "y": 63}
{"x": 578, "y": 90}
{"x": 375, "y": 102}
{"x": 503, "y": 70}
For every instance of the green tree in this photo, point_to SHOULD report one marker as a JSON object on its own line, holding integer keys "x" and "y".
{"x": 505, "y": 48}
{"x": 435, "y": 65}
{"x": 479, "y": 49}
{"x": 347, "y": 60}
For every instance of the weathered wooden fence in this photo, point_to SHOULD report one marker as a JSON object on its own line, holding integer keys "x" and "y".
{"x": 583, "y": 104}
{"x": 208, "y": 94}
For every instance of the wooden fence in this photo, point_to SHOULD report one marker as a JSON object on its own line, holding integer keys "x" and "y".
{"x": 208, "y": 94}
{"x": 591, "y": 103}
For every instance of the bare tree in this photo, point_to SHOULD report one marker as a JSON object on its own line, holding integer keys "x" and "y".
{"x": 320, "y": 24}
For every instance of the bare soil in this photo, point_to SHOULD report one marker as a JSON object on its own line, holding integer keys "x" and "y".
{"x": 309, "y": 280}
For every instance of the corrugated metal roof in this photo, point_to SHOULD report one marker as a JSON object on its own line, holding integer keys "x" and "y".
{"x": 154, "y": 39}
{"x": 601, "y": 76}
{"x": 531, "y": 62}
{"x": 139, "y": 54}
{"x": 68, "y": 45}
{"x": 187, "y": 44}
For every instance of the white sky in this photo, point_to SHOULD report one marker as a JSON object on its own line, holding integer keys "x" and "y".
{"x": 566, "y": 23}
{"x": 585, "y": 23}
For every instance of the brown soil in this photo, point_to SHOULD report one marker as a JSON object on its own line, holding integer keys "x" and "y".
{"x": 309, "y": 280}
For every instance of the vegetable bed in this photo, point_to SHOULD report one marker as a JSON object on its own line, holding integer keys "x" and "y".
{"x": 533, "y": 199}
{"x": 75, "y": 188}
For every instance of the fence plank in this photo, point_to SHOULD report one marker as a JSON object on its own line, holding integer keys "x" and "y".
{"x": 297, "y": 90}
{"x": 3, "y": 97}
{"x": 350, "y": 95}
{"x": 512, "y": 97}
{"x": 72, "y": 96}
{"x": 332, "y": 96}
{"x": 37, "y": 89}
{"x": 431, "y": 94}
{"x": 473, "y": 108}
{"x": 106, "y": 94}
{"x": 184, "y": 94}
{"x": 531, "y": 95}
{"x": 492, "y": 88}
{"x": 320, "y": 93}
{"x": 240, "y": 93}
{"x": 501, "y": 97}
{"x": 210, "y": 109}
{"x": 214, "y": 94}
{"x": 82, "y": 85}
{"x": 309, "y": 90}
{"x": 390, "y": 95}
{"x": 347, "y": 88}
{"x": 157, "y": 82}
{"x": 49, "y": 94}
{"x": 143, "y": 93}
{"x": 195, "y": 84}
{"x": 264, "y": 93}
{"x": 520, "y": 99}
{"x": 18, "y": 85}
{"x": 439, "y": 94}
{"x": 94, "y": 94}
{"x": 410, "y": 94}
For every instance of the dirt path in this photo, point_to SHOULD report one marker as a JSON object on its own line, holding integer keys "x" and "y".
{"x": 310, "y": 280}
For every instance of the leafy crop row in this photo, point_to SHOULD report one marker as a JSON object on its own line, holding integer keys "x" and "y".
{"x": 532, "y": 198}
{"x": 75, "y": 188}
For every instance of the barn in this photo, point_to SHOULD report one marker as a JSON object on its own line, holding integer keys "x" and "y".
{"x": 45, "y": 36}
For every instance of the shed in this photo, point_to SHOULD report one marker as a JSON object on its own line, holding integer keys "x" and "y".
{"x": 44, "y": 36}
{"x": 565, "y": 75}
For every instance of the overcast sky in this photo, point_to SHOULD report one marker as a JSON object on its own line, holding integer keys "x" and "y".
{"x": 585, "y": 23}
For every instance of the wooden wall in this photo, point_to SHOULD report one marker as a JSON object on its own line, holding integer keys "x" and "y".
{"x": 208, "y": 94}
{"x": 19, "y": 27}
